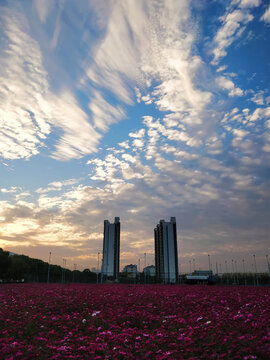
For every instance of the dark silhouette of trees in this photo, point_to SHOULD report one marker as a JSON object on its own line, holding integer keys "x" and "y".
{"x": 5, "y": 263}
{"x": 18, "y": 268}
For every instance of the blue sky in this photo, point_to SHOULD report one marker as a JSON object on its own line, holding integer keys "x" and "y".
{"x": 138, "y": 109}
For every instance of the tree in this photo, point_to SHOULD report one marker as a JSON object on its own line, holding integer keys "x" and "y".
{"x": 5, "y": 263}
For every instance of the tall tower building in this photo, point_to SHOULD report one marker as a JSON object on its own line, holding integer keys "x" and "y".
{"x": 111, "y": 248}
{"x": 166, "y": 255}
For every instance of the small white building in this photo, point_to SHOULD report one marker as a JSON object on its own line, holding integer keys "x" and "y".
{"x": 130, "y": 271}
{"x": 150, "y": 271}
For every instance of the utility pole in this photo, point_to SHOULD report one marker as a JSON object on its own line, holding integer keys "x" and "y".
{"x": 63, "y": 271}
{"x": 194, "y": 265}
{"x": 237, "y": 280}
{"x": 101, "y": 274}
{"x": 244, "y": 271}
{"x": 73, "y": 275}
{"x": 49, "y": 268}
{"x": 268, "y": 265}
{"x": 209, "y": 262}
{"x": 254, "y": 279}
{"x": 98, "y": 267}
{"x": 233, "y": 272}
{"x": 227, "y": 275}
{"x": 139, "y": 267}
{"x": 255, "y": 267}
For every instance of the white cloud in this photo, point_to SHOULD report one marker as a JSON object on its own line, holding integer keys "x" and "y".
{"x": 139, "y": 134}
{"x": 221, "y": 68}
{"x": 43, "y": 8}
{"x": 129, "y": 158}
{"x": 79, "y": 137}
{"x": 57, "y": 186}
{"x": 57, "y": 28}
{"x": 117, "y": 57}
{"x": 266, "y": 16}
{"x": 259, "y": 113}
{"x": 104, "y": 114}
{"x": 139, "y": 47}
{"x": 240, "y": 133}
{"x": 233, "y": 25}
{"x": 147, "y": 99}
{"x": 178, "y": 153}
{"x": 266, "y": 138}
{"x": 29, "y": 110}
{"x": 228, "y": 84}
{"x": 23, "y": 122}
{"x": 258, "y": 98}
{"x": 249, "y": 3}
{"x": 12, "y": 189}
{"x": 138, "y": 143}
{"x": 124, "y": 144}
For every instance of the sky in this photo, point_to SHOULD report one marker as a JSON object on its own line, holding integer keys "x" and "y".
{"x": 137, "y": 109}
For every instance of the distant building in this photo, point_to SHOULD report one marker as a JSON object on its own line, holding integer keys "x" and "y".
{"x": 111, "y": 248}
{"x": 201, "y": 277}
{"x": 149, "y": 271}
{"x": 130, "y": 271}
{"x": 166, "y": 255}
{"x": 203, "y": 272}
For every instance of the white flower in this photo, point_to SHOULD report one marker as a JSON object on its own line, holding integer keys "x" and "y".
{"x": 95, "y": 313}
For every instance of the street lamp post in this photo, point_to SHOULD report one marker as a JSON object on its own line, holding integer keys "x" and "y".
{"x": 209, "y": 262}
{"x": 49, "y": 268}
{"x": 244, "y": 271}
{"x": 233, "y": 272}
{"x": 227, "y": 275}
{"x": 98, "y": 267}
{"x": 63, "y": 271}
{"x": 73, "y": 277}
{"x": 139, "y": 267}
{"x": 268, "y": 265}
{"x": 221, "y": 274}
{"x": 255, "y": 268}
{"x": 254, "y": 279}
{"x": 102, "y": 268}
{"x": 237, "y": 279}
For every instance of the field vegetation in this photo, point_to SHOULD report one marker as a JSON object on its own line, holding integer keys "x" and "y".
{"x": 116, "y": 321}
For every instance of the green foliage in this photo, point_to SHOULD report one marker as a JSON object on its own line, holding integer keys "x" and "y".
{"x": 4, "y": 263}
{"x": 15, "y": 268}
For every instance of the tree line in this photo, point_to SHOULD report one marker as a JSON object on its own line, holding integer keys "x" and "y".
{"x": 17, "y": 268}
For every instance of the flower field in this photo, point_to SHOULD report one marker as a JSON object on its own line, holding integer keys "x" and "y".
{"x": 133, "y": 322}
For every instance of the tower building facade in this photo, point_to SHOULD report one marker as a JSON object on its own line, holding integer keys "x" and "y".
{"x": 111, "y": 248}
{"x": 166, "y": 255}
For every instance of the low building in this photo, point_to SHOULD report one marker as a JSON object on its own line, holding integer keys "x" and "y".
{"x": 201, "y": 277}
{"x": 149, "y": 271}
{"x": 130, "y": 271}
